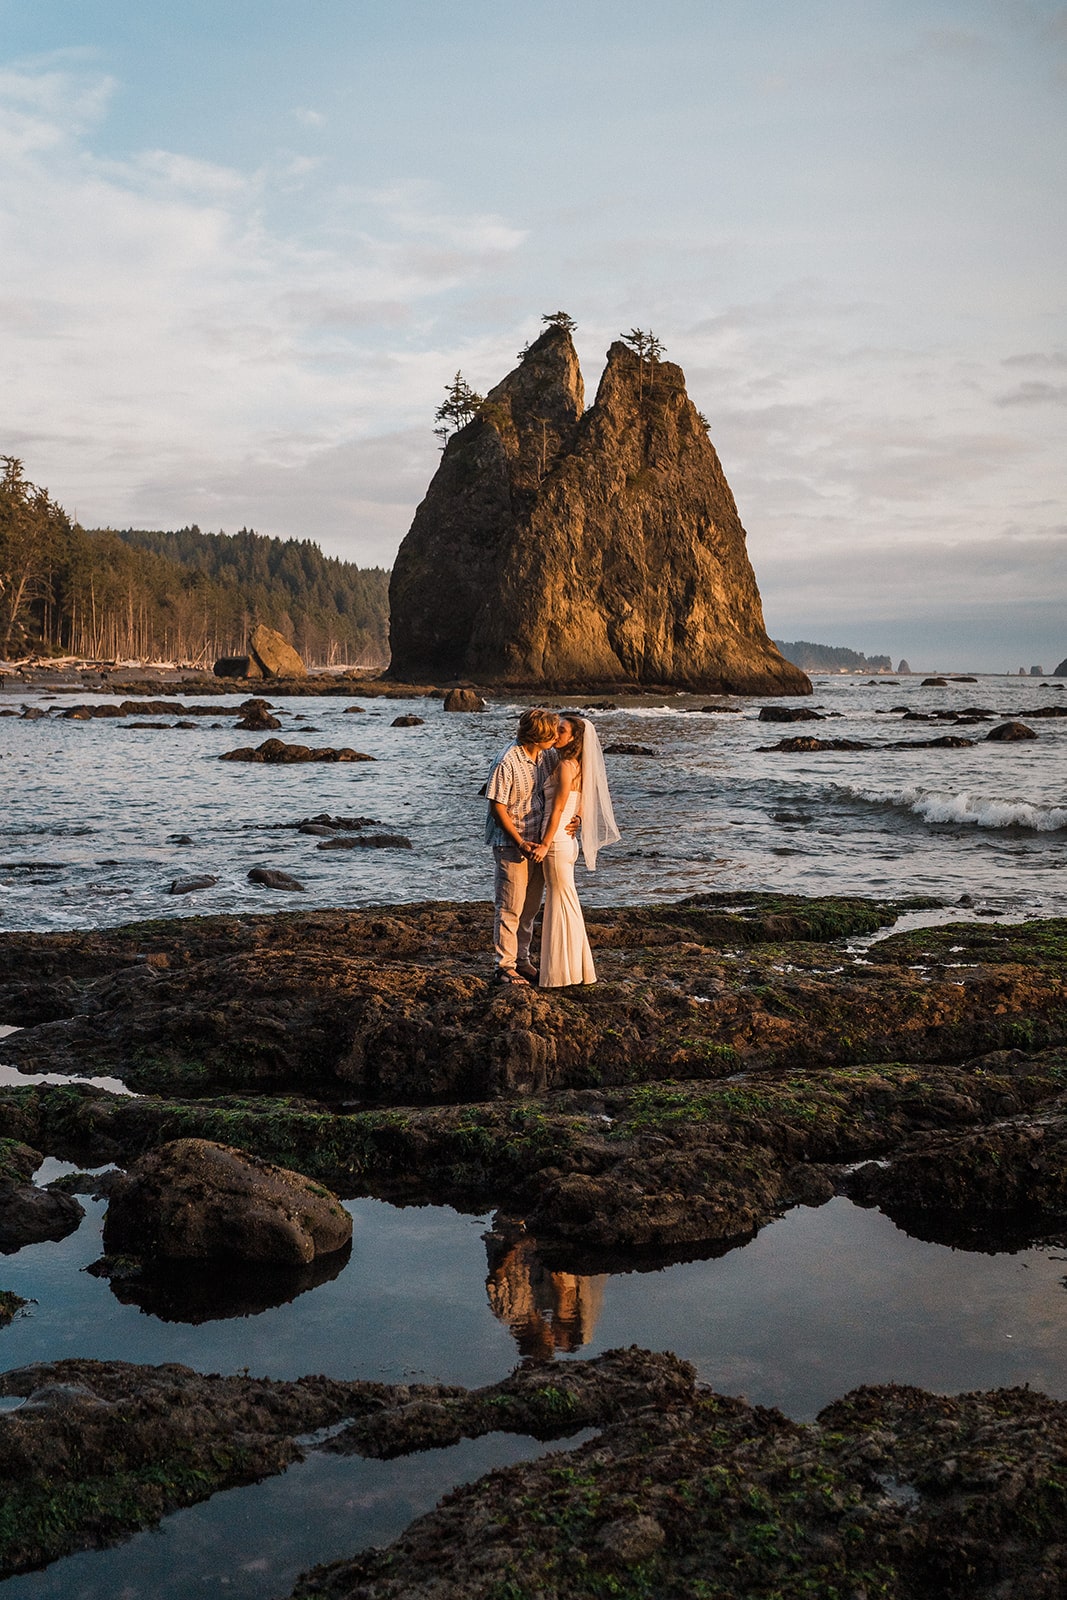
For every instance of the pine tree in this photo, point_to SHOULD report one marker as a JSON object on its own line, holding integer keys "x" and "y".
{"x": 458, "y": 407}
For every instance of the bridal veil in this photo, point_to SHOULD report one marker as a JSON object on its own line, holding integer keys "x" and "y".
{"x": 598, "y": 818}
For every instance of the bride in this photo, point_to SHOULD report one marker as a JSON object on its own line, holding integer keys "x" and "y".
{"x": 579, "y": 784}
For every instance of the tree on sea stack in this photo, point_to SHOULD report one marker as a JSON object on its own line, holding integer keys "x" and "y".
{"x": 558, "y": 546}
{"x": 456, "y": 409}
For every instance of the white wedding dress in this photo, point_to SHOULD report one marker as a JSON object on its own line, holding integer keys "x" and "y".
{"x": 565, "y": 954}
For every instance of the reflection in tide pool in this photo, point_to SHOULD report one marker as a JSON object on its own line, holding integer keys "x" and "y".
{"x": 819, "y": 1302}
{"x": 251, "y": 1543}
{"x": 547, "y": 1311}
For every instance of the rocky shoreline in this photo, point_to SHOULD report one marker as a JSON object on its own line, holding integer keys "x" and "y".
{"x": 741, "y": 1054}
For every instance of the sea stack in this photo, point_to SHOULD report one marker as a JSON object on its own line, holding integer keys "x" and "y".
{"x": 560, "y": 547}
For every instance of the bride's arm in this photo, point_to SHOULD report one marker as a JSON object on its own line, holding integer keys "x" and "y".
{"x": 566, "y": 773}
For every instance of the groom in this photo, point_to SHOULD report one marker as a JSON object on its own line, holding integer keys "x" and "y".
{"x": 515, "y": 792}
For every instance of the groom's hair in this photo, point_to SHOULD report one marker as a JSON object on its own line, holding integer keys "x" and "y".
{"x": 537, "y": 727}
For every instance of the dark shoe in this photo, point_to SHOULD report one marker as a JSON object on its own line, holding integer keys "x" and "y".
{"x": 510, "y": 979}
{"x": 527, "y": 970}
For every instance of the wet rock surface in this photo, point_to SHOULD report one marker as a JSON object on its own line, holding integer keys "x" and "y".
{"x": 731, "y": 1063}
{"x": 29, "y": 1214}
{"x": 892, "y": 1492}
{"x": 275, "y": 752}
{"x": 272, "y": 878}
{"x": 190, "y": 884}
{"x": 741, "y": 1055}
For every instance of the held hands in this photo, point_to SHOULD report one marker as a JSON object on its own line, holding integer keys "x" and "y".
{"x": 538, "y": 852}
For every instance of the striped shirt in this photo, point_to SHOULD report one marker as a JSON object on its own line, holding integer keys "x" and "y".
{"x": 519, "y": 783}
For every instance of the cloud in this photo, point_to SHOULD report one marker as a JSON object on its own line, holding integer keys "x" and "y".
{"x": 309, "y": 118}
{"x": 169, "y": 349}
{"x": 1035, "y": 393}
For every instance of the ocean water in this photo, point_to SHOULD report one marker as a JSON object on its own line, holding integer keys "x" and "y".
{"x": 93, "y": 810}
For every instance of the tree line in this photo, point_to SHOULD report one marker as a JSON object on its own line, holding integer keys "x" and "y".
{"x": 112, "y": 594}
{"x": 811, "y": 657}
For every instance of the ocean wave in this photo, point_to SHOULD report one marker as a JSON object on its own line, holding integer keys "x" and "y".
{"x": 983, "y": 811}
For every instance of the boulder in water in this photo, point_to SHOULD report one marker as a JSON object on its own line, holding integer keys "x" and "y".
{"x": 1009, "y": 732}
{"x": 257, "y": 717}
{"x": 197, "y": 1200}
{"x": 788, "y": 714}
{"x": 272, "y": 878}
{"x": 275, "y": 752}
{"x": 463, "y": 700}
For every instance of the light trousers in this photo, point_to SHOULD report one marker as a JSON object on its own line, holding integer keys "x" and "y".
{"x": 518, "y": 886}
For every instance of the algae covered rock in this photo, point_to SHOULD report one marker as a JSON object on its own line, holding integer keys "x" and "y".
{"x": 561, "y": 546}
{"x": 193, "y": 1199}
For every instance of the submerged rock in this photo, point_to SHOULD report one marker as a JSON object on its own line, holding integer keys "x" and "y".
{"x": 276, "y": 752}
{"x": 789, "y": 714}
{"x": 561, "y": 546}
{"x": 1008, "y": 732}
{"x": 257, "y": 717}
{"x": 197, "y": 1200}
{"x": 367, "y": 841}
{"x": 189, "y": 885}
{"x": 272, "y": 878}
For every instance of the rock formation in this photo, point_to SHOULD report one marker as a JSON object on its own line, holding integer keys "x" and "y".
{"x": 197, "y": 1200}
{"x": 559, "y": 546}
{"x": 1061, "y": 670}
{"x": 274, "y": 656}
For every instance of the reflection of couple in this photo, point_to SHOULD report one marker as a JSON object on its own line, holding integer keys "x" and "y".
{"x": 546, "y": 1311}
{"x": 547, "y": 787}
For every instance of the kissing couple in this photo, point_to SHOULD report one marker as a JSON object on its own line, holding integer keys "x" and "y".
{"x": 546, "y": 790}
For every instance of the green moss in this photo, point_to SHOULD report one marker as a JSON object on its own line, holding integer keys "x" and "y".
{"x": 10, "y": 1305}
{"x": 18, "y": 1163}
{"x": 42, "y": 1520}
{"x": 1042, "y": 942}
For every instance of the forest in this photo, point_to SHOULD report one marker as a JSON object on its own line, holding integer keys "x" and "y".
{"x": 188, "y": 596}
{"x": 830, "y": 657}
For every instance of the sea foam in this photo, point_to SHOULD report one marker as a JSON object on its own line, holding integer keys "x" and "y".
{"x": 983, "y": 811}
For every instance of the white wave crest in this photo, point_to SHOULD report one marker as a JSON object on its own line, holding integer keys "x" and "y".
{"x": 983, "y": 811}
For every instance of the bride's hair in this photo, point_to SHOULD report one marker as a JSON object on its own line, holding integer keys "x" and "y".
{"x": 573, "y": 749}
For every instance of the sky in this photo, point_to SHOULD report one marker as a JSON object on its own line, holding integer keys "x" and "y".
{"x": 245, "y": 244}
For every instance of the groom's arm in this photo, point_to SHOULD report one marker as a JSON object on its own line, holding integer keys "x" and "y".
{"x": 504, "y": 817}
